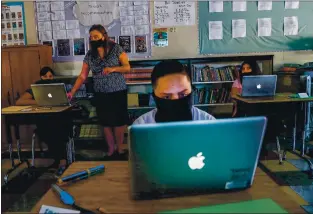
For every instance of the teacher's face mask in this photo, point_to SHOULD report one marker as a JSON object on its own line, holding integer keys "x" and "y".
{"x": 95, "y": 44}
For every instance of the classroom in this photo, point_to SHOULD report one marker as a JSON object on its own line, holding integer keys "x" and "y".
{"x": 157, "y": 106}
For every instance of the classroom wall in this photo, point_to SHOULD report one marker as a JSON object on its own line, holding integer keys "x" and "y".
{"x": 183, "y": 42}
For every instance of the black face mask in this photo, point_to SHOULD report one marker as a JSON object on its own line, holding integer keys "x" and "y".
{"x": 173, "y": 110}
{"x": 97, "y": 44}
{"x": 47, "y": 81}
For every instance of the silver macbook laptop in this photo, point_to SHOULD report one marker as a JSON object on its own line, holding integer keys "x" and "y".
{"x": 182, "y": 158}
{"x": 50, "y": 95}
{"x": 259, "y": 86}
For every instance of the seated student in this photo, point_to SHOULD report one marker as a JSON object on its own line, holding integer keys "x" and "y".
{"x": 46, "y": 76}
{"x": 52, "y": 130}
{"x": 248, "y": 68}
{"x": 172, "y": 93}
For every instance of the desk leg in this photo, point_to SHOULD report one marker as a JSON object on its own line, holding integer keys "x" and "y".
{"x": 73, "y": 143}
{"x": 9, "y": 140}
{"x": 294, "y": 134}
{"x": 18, "y": 145}
{"x": 304, "y": 130}
{"x": 69, "y": 150}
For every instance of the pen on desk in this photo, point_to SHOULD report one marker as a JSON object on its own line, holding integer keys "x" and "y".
{"x": 82, "y": 175}
{"x": 102, "y": 210}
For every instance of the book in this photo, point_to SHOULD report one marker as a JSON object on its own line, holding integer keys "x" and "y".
{"x": 51, "y": 210}
{"x": 255, "y": 206}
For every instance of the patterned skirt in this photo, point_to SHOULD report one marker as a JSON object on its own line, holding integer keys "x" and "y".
{"x": 111, "y": 108}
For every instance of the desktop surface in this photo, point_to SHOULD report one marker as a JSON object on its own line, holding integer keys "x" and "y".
{"x": 110, "y": 190}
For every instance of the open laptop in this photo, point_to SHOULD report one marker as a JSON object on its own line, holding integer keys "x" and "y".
{"x": 50, "y": 95}
{"x": 179, "y": 158}
{"x": 259, "y": 86}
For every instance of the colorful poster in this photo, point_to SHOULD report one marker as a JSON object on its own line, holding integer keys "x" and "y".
{"x": 160, "y": 37}
{"x": 12, "y": 27}
{"x": 79, "y": 47}
{"x": 141, "y": 44}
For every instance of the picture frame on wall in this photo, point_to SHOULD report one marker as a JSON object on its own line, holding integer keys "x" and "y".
{"x": 13, "y": 28}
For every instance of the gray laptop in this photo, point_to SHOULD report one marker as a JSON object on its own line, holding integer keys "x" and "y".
{"x": 179, "y": 158}
{"x": 50, "y": 95}
{"x": 259, "y": 86}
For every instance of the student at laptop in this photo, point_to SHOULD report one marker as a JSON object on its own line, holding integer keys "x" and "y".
{"x": 53, "y": 131}
{"x": 172, "y": 93}
{"x": 248, "y": 68}
{"x": 46, "y": 76}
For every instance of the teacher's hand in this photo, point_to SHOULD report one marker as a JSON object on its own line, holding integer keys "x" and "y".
{"x": 69, "y": 96}
{"x": 107, "y": 70}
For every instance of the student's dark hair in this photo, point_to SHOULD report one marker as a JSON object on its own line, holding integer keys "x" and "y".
{"x": 254, "y": 67}
{"x": 165, "y": 68}
{"x": 45, "y": 70}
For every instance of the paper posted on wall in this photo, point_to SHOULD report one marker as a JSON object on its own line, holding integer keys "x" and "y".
{"x": 238, "y": 28}
{"x": 291, "y": 26}
{"x": 264, "y": 27}
{"x": 215, "y": 30}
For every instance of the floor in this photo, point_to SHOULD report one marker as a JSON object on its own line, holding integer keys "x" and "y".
{"x": 292, "y": 177}
{"x": 22, "y": 196}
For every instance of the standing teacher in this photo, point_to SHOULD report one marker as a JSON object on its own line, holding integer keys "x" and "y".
{"x": 107, "y": 61}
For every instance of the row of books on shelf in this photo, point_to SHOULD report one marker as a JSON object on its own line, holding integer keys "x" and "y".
{"x": 205, "y": 73}
{"x": 211, "y": 96}
{"x": 137, "y": 75}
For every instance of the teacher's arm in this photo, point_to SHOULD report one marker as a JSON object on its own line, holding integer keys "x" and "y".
{"x": 81, "y": 79}
{"x": 125, "y": 66}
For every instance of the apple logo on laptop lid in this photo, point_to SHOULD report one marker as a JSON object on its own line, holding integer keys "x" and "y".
{"x": 50, "y": 95}
{"x": 196, "y": 162}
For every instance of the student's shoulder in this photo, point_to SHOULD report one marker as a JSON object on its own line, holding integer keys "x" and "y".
{"x": 146, "y": 118}
{"x": 199, "y": 114}
{"x": 236, "y": 84}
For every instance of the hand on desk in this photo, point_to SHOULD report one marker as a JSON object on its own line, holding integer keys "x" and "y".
{"x": 69, "y": 96}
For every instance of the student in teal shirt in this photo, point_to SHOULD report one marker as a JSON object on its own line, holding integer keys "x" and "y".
{"x": 172, "y": 93}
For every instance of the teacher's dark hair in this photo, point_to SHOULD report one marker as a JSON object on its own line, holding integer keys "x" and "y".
{"x": 167, "y": 67}
{"x": 45, "y": 70}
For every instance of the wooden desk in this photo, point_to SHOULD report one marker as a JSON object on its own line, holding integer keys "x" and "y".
{"x": 36, "y": 110}
{"x": 15, "y": 117}
{"x": 284, "y": 98}
{"x": 278, "y": 98}
{"x": 110, "y": 190}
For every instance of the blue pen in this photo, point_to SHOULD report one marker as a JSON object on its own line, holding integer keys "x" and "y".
{"x": 82, "y": 175}
{"x": 67, "y": 199}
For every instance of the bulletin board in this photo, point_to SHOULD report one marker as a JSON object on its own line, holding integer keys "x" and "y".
{"x": 13, "y": 29}
{"x": 252, "y": 42}
{"x": 65, "y": 26}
